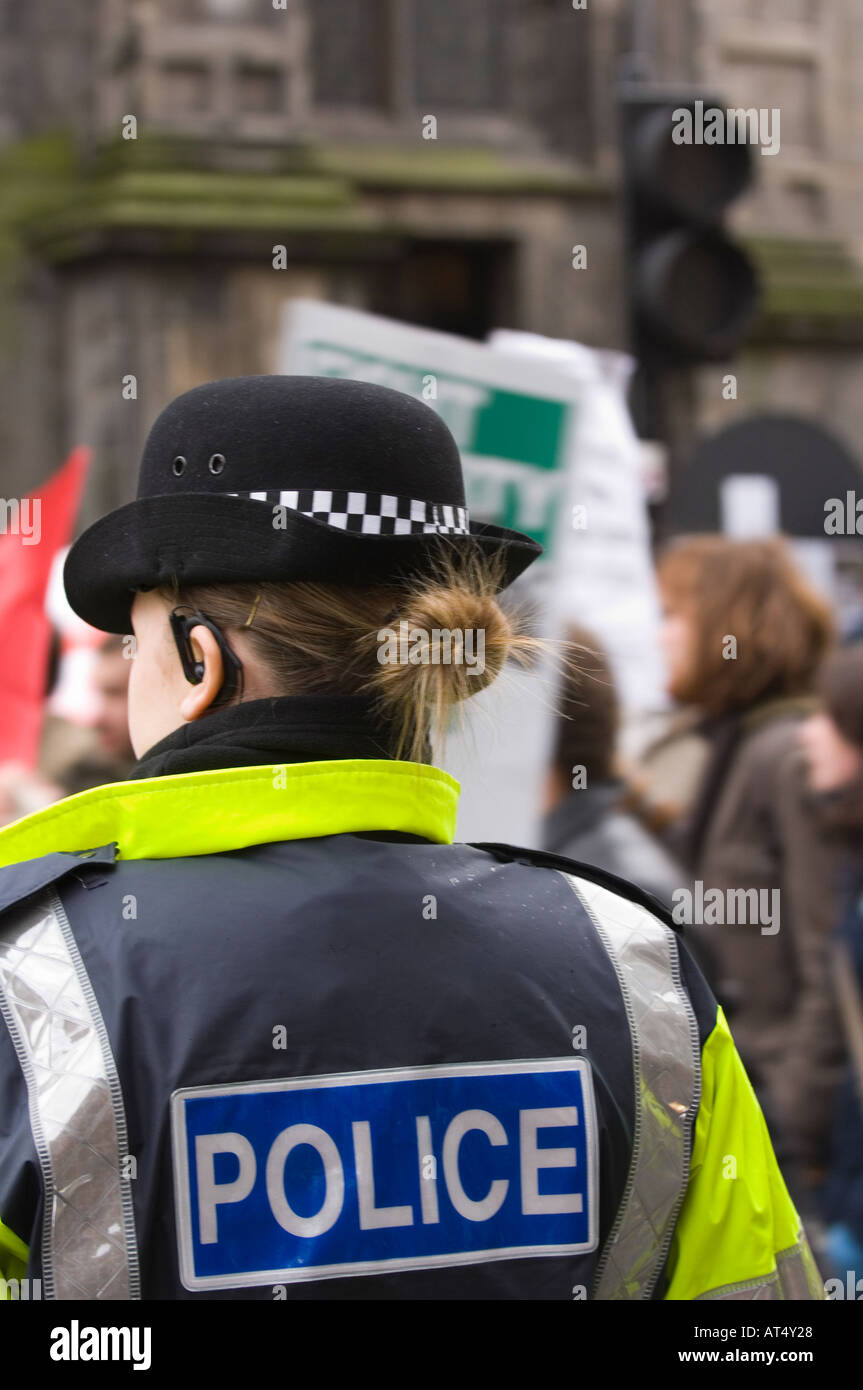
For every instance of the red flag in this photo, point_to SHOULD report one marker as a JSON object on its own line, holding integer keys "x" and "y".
{"x": 32, "y": 530}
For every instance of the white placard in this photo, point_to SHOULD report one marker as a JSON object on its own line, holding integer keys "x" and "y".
{"x": 749, "y": 505}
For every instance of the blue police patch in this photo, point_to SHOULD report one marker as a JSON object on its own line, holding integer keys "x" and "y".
{"x": 317, "y": 1177}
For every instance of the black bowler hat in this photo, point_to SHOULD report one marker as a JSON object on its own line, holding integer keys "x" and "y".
{"x": 367, "y": 481}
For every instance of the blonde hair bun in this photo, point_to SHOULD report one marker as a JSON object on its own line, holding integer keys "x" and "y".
{"x": 420, "y": 648}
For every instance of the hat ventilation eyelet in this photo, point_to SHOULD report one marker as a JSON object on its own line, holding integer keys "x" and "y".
{"x": 178, "y": 465}
{"x": 216, "y": 463}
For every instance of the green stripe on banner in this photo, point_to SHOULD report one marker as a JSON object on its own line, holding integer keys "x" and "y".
{"x": 525, "y": 429}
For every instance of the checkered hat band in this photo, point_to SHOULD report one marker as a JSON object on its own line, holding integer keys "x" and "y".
{"x": 370, "y": 513}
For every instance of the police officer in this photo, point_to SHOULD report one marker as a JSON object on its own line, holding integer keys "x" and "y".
{"x": 268, "y": 1030}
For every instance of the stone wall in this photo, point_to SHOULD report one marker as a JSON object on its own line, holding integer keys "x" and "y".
{"x": 140, "y": 273}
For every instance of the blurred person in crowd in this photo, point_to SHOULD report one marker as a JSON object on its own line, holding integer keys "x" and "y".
{"x": 61, "y": 742}
{"x": 24, "y": 790}
{"x": 832, "y": 740}
{"x": 88, "y": 771}
{"x": 743, "y": 634}
{"x": 111, "y": 682}
{"x": 670, "y": 765}
{"x": 589, "y": 806}
{"x": 74, "y": 757}
{"x": 108, "y": 755}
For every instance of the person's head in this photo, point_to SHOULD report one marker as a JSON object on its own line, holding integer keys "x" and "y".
{"x": 413, "y": 647}
{"x": 295, "y": 514}
{"x": 111, "y": 684}
{"x": 741, "y": 622}
{"x": 832, "y": 738}
{"x": 588, "y": 719}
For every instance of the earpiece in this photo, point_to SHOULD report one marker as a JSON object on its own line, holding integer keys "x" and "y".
{"x": 181, "y": 626}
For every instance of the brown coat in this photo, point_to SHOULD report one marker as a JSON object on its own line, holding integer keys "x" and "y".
{"x": 762, "y": 834}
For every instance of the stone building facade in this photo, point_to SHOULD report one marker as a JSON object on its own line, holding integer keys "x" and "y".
{"x": 303, "y": 123}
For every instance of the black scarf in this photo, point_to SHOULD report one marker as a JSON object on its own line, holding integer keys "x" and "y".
{"x": 283, "y": 729}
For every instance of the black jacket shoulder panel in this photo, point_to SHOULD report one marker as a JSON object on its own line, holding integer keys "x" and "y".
{"x": 701, "y": 997}
{"x": 20, "y": 881}
{"x": 544, "y": 859}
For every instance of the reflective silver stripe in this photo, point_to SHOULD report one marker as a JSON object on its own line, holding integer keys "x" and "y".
{"x": 798, "y": 1272}
{"x": 89, "y": 1250}
{"x": 795, "y": 1279}
{"x": 666, "y": 1060}
{"x": 764, "y": 1290}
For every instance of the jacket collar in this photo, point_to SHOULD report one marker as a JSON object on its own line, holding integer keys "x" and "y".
{"x": 275, "y": 730}
{"x": 231, "y": 808}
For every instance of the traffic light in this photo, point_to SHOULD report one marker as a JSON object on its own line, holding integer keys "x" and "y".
{"x": 693, "y": 293}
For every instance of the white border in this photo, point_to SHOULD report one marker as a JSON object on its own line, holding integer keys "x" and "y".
{"x": 258, "y": 1278}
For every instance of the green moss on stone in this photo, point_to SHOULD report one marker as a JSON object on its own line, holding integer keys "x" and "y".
{"x": 807, "y": 278}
